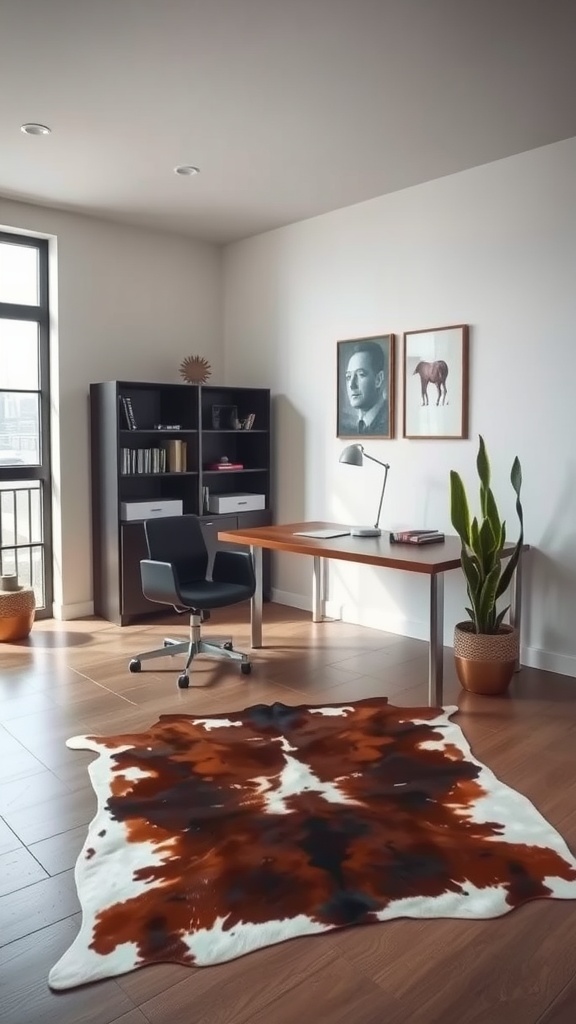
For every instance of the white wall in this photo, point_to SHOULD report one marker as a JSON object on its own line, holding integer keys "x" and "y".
{"x": 126, "y": 304}
{"x": 494, "y": 247}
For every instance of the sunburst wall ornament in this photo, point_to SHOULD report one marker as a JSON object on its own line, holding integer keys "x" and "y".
{"x": 195, "y": 370}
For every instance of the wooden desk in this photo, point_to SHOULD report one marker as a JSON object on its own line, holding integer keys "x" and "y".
{"x": 431, "y": 560}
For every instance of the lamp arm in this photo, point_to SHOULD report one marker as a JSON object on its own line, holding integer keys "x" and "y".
{"x": 372, "y": 459}
{"x": 386, "y": 468}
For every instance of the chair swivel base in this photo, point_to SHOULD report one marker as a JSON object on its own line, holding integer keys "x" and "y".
{"x": 211, "y": 648}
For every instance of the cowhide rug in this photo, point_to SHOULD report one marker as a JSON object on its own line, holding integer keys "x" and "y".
{"x": 217, "y": 836}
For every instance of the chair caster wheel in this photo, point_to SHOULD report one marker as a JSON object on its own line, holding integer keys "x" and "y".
{"x": 166, "y": 643}
{"x": 135, "y": 665}
{"x": 227, "y": 646}
{"x": 183, "y": 682}
{"x": 245, "y": 668}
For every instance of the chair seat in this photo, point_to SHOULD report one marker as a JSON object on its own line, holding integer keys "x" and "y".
{"x": 207, "y": 594}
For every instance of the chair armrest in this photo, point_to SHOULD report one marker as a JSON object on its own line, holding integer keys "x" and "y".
{"x": 159, "y": 582}
{"x": 234, "y": 567}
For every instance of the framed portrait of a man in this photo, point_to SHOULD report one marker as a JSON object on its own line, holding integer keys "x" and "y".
{"x": 365, "y": 385}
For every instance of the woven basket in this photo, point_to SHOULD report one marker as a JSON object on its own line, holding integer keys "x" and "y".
{"x": 501, "y": 646}
{"x": 17, "y": 609}
{"x": 485, "y": 662}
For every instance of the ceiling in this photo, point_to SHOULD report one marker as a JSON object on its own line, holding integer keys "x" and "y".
{"x": 290, "y": 108}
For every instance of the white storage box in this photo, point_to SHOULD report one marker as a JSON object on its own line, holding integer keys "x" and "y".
{"x": 237, "y": 502}
{"x": 131, "y": 510}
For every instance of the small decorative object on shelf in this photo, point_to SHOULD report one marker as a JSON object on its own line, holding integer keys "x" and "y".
{"x": 195, "y": 370}
{"x": 248, "y": 423}
{"x": 224, "y": 463}
{"x": 167, "y": 426}
{"x": 17, "y": 608}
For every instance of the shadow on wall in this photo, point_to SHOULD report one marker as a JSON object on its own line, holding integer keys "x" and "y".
{"x": 288, "y": 462}
{"x": 549, "y": 597}
{"x": 551, "y": 586}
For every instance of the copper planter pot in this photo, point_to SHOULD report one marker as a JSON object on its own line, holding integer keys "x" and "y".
{"x": 485, "y": 663}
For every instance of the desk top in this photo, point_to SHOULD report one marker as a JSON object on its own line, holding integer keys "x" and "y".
{"x": 429, "y": 559}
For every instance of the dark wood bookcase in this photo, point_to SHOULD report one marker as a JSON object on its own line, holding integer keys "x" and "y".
{"x": 140, "y": 417}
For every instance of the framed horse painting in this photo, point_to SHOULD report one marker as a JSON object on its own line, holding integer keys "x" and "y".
{"x": 436, "y": 383}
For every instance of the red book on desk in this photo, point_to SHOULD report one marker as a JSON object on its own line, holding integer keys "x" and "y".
{"x": 416, "y": 537}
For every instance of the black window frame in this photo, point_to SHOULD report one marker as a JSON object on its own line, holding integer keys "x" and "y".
{"x": 39, "y": 314}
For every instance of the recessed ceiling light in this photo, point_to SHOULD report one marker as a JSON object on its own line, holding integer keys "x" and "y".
{"x": 35, "y": 129}
{"x": 187, "y": 170}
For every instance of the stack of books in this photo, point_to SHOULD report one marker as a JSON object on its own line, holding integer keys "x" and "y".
{"x": 416, "y": 537}
{"x": 142, "y": 460}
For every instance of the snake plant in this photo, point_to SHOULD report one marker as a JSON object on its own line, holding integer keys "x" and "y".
{"x": 483, "y": 540}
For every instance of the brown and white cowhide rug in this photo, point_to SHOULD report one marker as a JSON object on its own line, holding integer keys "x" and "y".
{"x": 217, "y": 836}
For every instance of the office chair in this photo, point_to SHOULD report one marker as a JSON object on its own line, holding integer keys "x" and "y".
{"x": 175, "y": 574}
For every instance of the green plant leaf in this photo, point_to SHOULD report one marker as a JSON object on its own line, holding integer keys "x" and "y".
{"x": 475, "y": 538}
{"x": 487, "y": 546}
{"x": 473, "y": 577}
{"x": 516, "y": 476}
{"x": 506, "y": 578}
{"x": 493, "y": 516}
{"x": 459, "y": 511}
{"x": 472, "y": 573}
{"x": 483, "y": 463}
{"x": 488, "y": 600}
{"x": 516, "y": 481}
{"x": 469, "y": 613}
{"x": 508, "y": 571}
{"x": 500, "y": 617}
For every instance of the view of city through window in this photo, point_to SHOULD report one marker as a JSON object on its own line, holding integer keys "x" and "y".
{"x": 23, "y": 478}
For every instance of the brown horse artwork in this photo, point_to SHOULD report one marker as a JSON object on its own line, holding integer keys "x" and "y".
{"x": 433, "y": 373}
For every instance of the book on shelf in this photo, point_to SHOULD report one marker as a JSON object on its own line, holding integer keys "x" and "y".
{"x": 416, "y": 537}
{"x": 128, "y": 411}
{"x": 225, "y": 464}
{"x": 177, "y": 455}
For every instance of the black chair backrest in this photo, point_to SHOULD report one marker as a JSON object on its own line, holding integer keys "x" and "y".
{"x": 180, "y": 541}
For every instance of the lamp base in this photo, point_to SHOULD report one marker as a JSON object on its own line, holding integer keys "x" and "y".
{"x": 365, "y": 531}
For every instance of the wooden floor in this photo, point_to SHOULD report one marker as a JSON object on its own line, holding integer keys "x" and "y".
{"x": 72, "y": 678}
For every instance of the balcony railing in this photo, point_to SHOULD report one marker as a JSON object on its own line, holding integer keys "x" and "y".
{"x": 22, "y": 548}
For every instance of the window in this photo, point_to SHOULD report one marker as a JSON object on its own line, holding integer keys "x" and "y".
{"x": 25, "y": 535}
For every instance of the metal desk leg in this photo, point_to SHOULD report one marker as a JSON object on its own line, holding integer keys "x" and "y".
{"x": 516, "y": 606}
{"x": 436, "y": 647}
{"x": 256, "y": 602}
{"x": 317, "y": 590}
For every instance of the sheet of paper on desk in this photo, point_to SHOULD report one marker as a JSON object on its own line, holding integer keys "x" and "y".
{"x": 322, "y": 534}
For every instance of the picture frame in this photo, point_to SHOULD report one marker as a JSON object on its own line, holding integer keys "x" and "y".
{"x": 436, "y": 383}
{"x": 225, "y": 417}
{"x": 365, "y": 387}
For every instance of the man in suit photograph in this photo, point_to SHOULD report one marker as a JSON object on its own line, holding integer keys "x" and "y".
{"x": 363, "y": 375}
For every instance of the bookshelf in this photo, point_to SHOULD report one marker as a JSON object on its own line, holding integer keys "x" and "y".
{"x": 153, "y": 443}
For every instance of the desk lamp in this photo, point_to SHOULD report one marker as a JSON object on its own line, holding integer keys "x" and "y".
{"x": 354, "y": 455}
